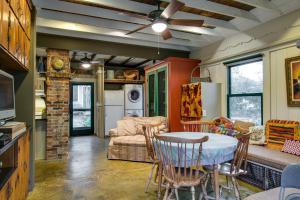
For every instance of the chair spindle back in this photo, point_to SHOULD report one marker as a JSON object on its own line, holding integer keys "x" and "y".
{"x": 241, "y": 153}
{"x": 197, "y": 126}
{"x": 181, "y": 166}
{"x": 149, "y": 130}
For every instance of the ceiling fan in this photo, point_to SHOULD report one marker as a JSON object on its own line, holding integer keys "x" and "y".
{"x": 161, "y": 18}
{"x": 86, "y": 62}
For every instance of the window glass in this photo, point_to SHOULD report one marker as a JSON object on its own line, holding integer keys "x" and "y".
{"x": 246, "y": 108}
{"x": 245, "y": 97}
{"x": 247, "y": 78}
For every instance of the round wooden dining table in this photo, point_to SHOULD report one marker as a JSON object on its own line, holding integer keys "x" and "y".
{"x": 218, "y": 149}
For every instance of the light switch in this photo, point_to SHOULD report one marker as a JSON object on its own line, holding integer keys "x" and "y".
{"x": 204, "y": 113}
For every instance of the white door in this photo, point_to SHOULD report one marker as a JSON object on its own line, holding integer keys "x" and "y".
{"x": 112, "y": 115}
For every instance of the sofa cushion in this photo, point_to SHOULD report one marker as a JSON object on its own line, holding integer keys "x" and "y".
{"x": 270, "y": 157}
{"x": 148, "y": 120}
{"x": 136, "y": 140}
{"x": 126, "y": 127}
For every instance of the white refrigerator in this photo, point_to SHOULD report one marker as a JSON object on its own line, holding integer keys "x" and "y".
{"x": 211, "y": 100}
{"x": 114, "y": 108}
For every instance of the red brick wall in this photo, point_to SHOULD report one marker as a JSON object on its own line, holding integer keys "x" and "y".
{"x": 57, "y": 101}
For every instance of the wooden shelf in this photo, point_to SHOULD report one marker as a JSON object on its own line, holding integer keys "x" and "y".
{"x": 11, "y": 63}
{"x": 11, "y": 143}
{"x": 117, "y": 81}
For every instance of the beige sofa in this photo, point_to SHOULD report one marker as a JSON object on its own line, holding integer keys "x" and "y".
{"x": 127, "y": 141}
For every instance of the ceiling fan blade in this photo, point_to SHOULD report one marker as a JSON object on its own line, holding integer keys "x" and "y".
{"x": 172, "y": 8}
{"x": 166, "y": 34}
{"x": 186, "y": 22}
{"x": 138, "y": 29}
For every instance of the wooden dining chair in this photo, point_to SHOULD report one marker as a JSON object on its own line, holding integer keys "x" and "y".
{"x": 181, "y": 160}
{"x": 197, "y": 126}
{"x": 149, "y": 130}
{"x": 231, "y": 170}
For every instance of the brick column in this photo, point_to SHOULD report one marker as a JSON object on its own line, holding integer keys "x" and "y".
{"x": 57, "y": 101}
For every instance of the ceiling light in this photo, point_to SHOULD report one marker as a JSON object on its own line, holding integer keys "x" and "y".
{"x": 86, "y": 65}
{"x": 159, "y": 26}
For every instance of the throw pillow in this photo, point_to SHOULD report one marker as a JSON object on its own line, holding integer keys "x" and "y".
{"x": 242, "y": 126}
{"x": 257, "y": 135}
{"x": 291, "y": 147}
{"x": 224, "y": 126}
{"x": 126, "y": 127}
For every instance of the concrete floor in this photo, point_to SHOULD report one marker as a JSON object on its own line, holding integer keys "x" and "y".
{"x": 88, "y": 175}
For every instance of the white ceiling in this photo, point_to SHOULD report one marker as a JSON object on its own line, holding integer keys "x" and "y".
{"x": 83, "y": 21}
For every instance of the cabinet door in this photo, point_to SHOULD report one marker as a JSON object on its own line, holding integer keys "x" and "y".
{"x": 27, "y": 20}
{"x": 4, "y": 24}
{"x": 151, "y": 85}
{"x": 162, "y": 92}
{"x": 12, "y": 33}
{"x": 27, "y": 52}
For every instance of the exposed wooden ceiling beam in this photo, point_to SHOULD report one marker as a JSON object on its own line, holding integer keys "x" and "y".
{"x": 264, "y": 4}
{"x": 81, "y": 7}
{"x": 177, "y": 31}
{"x": 142, "y": 63}
{"x": 110, "y": 59}
{"x": 127, "y": 61}
{"x": 106, "y": 47}
{"x": 219, "y": 8}
{"x": 116, "y": 33}
{"x": 119, "y": 65}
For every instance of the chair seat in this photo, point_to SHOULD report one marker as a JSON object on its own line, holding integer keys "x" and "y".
{"x": 187, "y": 181}
{"x": 225, "y": 168}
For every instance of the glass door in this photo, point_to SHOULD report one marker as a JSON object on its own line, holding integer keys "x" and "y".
{"x": 157, "y": 92}
{"x": 162, "y": 92}
{"x": 151, "y": 94}
{"x": 82, "y": 109}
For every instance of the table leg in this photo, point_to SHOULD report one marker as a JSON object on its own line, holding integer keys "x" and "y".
{"x": 216, "y": 182}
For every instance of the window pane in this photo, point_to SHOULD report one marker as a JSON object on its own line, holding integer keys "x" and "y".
{"x": 82, "y": 119}
{"x": 246, "y": 108}
{"x": 247, "y": 78}
{"x": 151, "y": 94}
{"x": 82, "y": 96}
{"x": 161, "y": 93}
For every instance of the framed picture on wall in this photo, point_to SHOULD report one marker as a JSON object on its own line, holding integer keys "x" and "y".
{"x": 292, "y": 68}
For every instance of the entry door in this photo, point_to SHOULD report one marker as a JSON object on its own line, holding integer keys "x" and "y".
{"x": 82, "y": 109}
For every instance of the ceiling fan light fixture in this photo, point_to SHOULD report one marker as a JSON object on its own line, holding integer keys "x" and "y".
{"x": 86, "y": 65}
{"x": 159, "y": 26}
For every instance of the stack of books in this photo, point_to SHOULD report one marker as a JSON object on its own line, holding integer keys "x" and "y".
{"x": 13, "y": 129}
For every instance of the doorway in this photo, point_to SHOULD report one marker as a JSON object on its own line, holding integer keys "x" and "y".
{"x": 81, "y": 109}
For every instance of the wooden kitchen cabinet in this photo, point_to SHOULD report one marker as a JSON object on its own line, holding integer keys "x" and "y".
{"x": 16, "y": 187}
{"x": 5, "y": 12}
{"x": 27, "y": 20}
{"x": 15, "y": 28}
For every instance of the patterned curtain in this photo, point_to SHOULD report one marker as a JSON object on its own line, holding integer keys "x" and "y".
{"x": 191, "y": 103}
